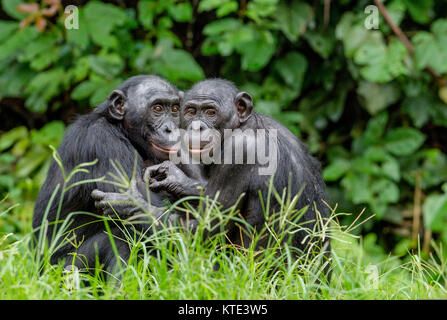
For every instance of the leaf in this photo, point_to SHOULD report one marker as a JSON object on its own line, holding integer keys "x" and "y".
{"x": 389, "y": 167}
{"x": 49, "y": 134}
{"x": 106, "y": 65}
{"x": 427, "y": 52}
{"x": 418, "y": 108}
{"x": 257, "y": 9}
{"x": 334, "y": 107}
{"x": 39, "y": 47}
{"x": 431, "y": 48}
{"x": 225, "y": 35}
{"x": 7, "y": 28}
{"x": 292, "y": 69}
{"x": 42, "y": 88}
{"x": 421, "y": 11}
{"x": 227, "y": 8}
{"x": 403, "y": 141}
{"x": 147, "y": 12}
{"x": 321, "y": 43}
{"x": 16, "y": 42}
{"x": 81, "y": 69}
{"x": 84, "y": 90}
{"x": 101, "y": 19}
{"x": 176, "y": 64}
{"x": 268, "y": 107}
{"x": 207, "y": 5}
{"x": 377, "y": 97}
{"x": 352, "y": 32}
{"x": 435, "y": 212}
{"x": 381, "y": 63}
{"x": 10, "y": 7}
{"x": 375, "y": 129}
{"x": 292, "y": 19}
{"x": 385, "y": 192}
{"x": 45, "y": 59}
{"x": 181, "y": 12}
{"x": 9, "y": 138}
{"x": 31, "y": 161}
{"x": 365, "y": 166}
{"x": 258, "y": 52}
{"x": 104, "y": 87}
{"x": 357, "y": 187}
{"x": 14, "y": 79}
{"x": 336, "y": 169}
{"x": 223, "y": 25}
{"x": 396, "y": 10}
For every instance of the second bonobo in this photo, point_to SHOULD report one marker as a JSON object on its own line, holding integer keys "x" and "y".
{"x": 219, "y": 106}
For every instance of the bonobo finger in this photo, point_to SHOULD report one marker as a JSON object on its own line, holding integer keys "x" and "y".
{"x": 150, "y": 171}
{"x": 100, "y": 205}
{"x": 97, "y": 194}
{"x": 97, "y": 205}
{"x": 157, "y": 185}
{"x": 109, "y": 212}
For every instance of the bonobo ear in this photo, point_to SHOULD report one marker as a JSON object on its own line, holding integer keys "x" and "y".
{"x": 116, "y": 107}
{"x": 244, "y": 105}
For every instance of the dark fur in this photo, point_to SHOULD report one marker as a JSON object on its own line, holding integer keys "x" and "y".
{"x": 98, "y": 136}
{"x": 232, "y": 180}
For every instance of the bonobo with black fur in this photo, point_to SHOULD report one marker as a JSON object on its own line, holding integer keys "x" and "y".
{"x": 217, "y": 104}
{"x": 135, "y": 120}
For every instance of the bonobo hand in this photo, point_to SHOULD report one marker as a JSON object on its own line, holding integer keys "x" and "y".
{"x": 167, "y": 176}
{"x": 124, "y": 205}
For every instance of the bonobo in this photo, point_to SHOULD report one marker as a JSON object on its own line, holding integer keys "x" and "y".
{"x": 134, "y": 121}
{"x": 217, "y": 105}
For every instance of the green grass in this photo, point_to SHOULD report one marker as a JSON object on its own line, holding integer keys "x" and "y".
{"x": 176, "y": 264}
{"x": 183, "y": 269}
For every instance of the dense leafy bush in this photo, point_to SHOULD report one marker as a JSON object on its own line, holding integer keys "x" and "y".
{"x": 370, "y": 107}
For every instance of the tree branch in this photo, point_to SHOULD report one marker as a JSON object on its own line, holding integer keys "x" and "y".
{"x": 398, "y": 32}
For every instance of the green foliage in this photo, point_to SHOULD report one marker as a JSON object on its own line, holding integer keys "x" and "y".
{"x": 435, "y": 211}
{"x": 24, "y": 162}
{"x": 364, "y": 104}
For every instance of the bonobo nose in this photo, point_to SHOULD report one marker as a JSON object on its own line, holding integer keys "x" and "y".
{"x": 168, "y": 128}
{"x": 197, "y": 126}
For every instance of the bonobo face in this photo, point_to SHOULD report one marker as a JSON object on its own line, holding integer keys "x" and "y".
{"x": 150, "y": 114}
{"x": 213, "y": 104}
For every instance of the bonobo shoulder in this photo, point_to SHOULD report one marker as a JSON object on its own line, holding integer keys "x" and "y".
{"x": 262, "y": 121}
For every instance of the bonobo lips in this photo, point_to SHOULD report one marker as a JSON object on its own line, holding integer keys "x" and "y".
{"x": 164, "y": 149}
{"x": 201, "y": 149}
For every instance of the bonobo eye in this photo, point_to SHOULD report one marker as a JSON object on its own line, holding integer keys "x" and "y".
{"x": 157, "y": 108}
{"x": 191, "y": 111}
{"x": 210, "y": 112}
{"x": 175, "y": 108}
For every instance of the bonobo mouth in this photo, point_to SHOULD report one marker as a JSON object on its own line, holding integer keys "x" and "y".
{"x": 200, "y": 149}
{"x": 164, "y": 149}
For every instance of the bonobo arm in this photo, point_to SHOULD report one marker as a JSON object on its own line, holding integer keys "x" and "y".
{"x": 167, "y": 176}
{"x": 133, "y": 204}
{"x": 230, "y": 181}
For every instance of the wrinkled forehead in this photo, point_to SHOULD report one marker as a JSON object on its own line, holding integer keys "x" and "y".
{"x": 206, "y": 92}
{"x": 149, "y": 90}
{"x": 149, "y": 87}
